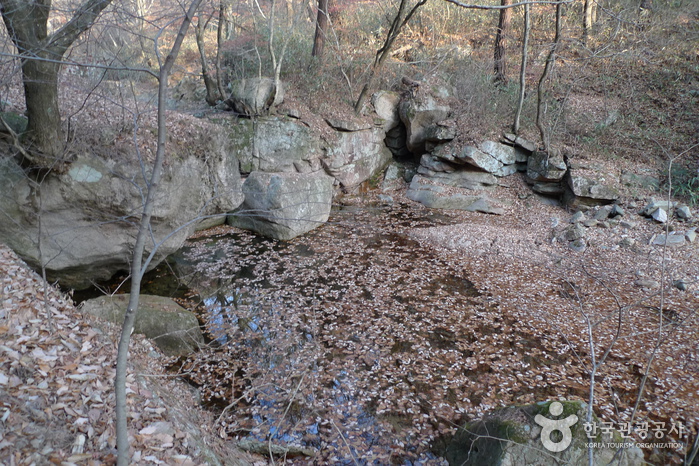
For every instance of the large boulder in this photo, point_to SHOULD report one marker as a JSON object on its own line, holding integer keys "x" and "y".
{"x": 522, "y": 435}
{"x": 173, "y": 328}
{"x": 353, "y": 157}
{"x": 418, "y": 114}
{"x": 546, "y": 167}
{"x": 284, "y": 205}
{"x": 274, "y": 144}
{"x": 81, "y": 223}
{"x": 386, "y": 107}
{"x": 255, "y": 96}
{"x": 591, "y": 186}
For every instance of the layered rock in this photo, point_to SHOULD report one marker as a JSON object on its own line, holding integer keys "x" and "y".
{"x": 274, "y": 144}
{"x": 81, "y": 224}
{"x": 353, "y": 157}
{"x": 255, "y": 96}
{"x": 284, "y": 205}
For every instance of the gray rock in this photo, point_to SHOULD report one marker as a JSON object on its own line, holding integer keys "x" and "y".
{"x": 659, "y": 215}
{"x": 574, "y": 232}
{"x": 87, "y": 226}
{"x": 500, "y": 152}
{"x": 17, "y": 123}
{"x": 274, "y": 144}
{"x": 440, "y": 133}
{"x": 603, "y": 213}
{"x": 544, "y": 167}
{"x": 354, "y": 157}
{"x": 654, "y": 205}
{"x": 418, "y": 114}
{"x": 617, "y": 211}
{"x": 579, "y": 245}
{"x": 479, "y": 159}
{"x": 593, "y": 184}
{"x": 647, "y": 283}
{"x": 590, "y": 222}
{"x": 577, "y": 217}
{"x": 506, "y": 170}
{"x": 435, "y": 164}
{"x": 668, "y": 240}
{"x": 437, "y": 197}
{"x": 173, "y": 328}
{"x": 284, "y": 205}
{"x": 690, "y": 235}
{"x": 513, "y": 436}
{"x": 628, "y": 225}
{"x": 348, "y": 124}
{"x": 683, "y": 212}
{"x": 680, "y": 284}
{"x": 521, "y": 142}
{"x": 386, "y": 107}
{"x": 627, "y": 242}
{"x": 464, "y": 178}
{"x": 255, "y": 96}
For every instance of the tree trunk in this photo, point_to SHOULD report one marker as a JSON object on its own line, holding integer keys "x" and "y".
{"x": 589, "y": 18}
{"x": 44, "y": 136}
{"x": 499, "y": 56}
{"x": 212, "y": 90}
{"x": 321, "y": 27}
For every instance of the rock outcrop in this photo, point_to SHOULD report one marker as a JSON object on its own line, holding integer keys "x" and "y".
{"x": 284, "y": 205}
{"x": 81, "y": 224}
{"x": 354, "y": 156}
{"x": 255, "y": 96}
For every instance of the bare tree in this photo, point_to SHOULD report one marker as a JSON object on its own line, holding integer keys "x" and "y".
{"x": 139, "y": 263}
{"x": 499, "y": 54}
{"x": 321, "y": 27}
{"x": 41, "y": 55}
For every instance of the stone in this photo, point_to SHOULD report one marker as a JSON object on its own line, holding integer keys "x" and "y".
{"x": 521, "y": 435}
{"x": 574, "y": 232}
{"x": 386, "y": 107}
{"x": 593, "y": 185}
{"x": 544, "y": 167}
{"x": 284, "y": 205}
{"x": 395, "y": 141}
{"x": 659, "y": 215}
{"x": 506, "y": 170}
{"x": 627, "y": 242}
{"x": 15, "y": 122}
{"x": 579, "y": 245}
{"x": 354, "y": 157}
{"x": 435, "y": 164}
{"x": 647, "y": 283}
{"x": 418, "y": 114}
{"x": 84, "y": 217}
{"x": 174, "y": 329}
{"x": 464, "y": 178}
{"x": 274, "y": 144}
{"x": 437, "y": 197}
{"x": 479, "y": 159}
{"x": 691, "y": 235}
{"x": 603, "y": 213}
{"x": 348, "y": 124}
{"x": 521, "y": 142}
{"x": 577, "y": 217}
{"x": 617, "y": 211}
{"x": 590, "y": 222}
{"x": 680, "y": 284}
{"x": 654, "y": 205}
{"x": 628, "y": 225}
{"x": 683, "y": 213}
{"x": 440, "y": 133}
{"x": 255, "y": 96}
{"x": 668, "y": 240}
{"x": 500, "y": 152}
